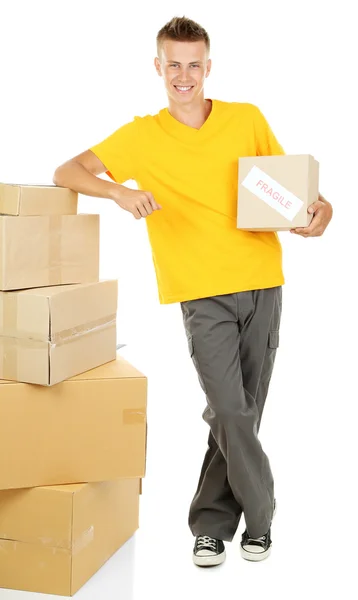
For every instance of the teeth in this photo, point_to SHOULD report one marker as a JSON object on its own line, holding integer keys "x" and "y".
{"x": 183, "y": 89}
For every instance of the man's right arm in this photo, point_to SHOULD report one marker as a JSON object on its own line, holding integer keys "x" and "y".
{"x": 80, "y": 174}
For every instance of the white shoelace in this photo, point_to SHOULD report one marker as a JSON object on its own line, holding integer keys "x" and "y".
{"x": 207, "y": 542}
{"x": 259, "y": 539}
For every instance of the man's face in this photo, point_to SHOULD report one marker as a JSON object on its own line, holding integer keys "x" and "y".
{"x": 183, "y": 64}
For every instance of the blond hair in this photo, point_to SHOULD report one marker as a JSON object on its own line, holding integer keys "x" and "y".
{"x": 181, "y": 29}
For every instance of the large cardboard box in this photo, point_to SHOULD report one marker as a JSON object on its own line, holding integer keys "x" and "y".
{"x": 26, "y": 200}
{"x": 50, "y": 334}
{"x": 91, "y": 427}
{"x": 48, "y": 250}
{"x": 53, "y": 539}
{"x": 274, "y": 192}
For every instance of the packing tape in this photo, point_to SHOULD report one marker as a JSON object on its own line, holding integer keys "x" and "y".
{"x": 54, "y": 250}
{"x": 9, "y": 348}
{"x": 61, "y": 337}
{"x": 134, "y": 416}
{"x": 83, "y": 540}
{"x": 8, "y": 322}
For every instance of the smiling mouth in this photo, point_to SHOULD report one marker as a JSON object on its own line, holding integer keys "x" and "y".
{"x": 181, "y": 89}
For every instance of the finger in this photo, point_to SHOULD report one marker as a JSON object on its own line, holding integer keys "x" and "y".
{"x": 315, "y": 233}
{"x": 301, "y": 230}
{"x": 153, "y": 203}
{"x": 309, "y": 230}
{"x": 141, "y": 210}
{"x": 304, "y": 231}
{"x": 313, "y": 227}
{"x": 148, "y": 207}
{"x": 315, "y": 206}
{"x": 136, "y": 214}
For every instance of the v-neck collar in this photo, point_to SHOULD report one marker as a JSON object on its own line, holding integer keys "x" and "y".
{"x": 183, "y": 131}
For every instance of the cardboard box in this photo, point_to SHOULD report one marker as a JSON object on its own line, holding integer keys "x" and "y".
{"x": 274, "y": 192}
{"x": 48, "y": 250}
{"x": 30, "y": 200}
{"x": 53, "y": 539}
{"x": 91, "y": 427}
{"x": 50, "y": 334}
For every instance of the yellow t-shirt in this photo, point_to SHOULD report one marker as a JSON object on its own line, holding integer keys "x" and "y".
{"x": 193, "y": 174}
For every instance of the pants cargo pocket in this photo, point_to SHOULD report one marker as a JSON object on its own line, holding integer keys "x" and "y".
{"x": 195, "y": 361}
{"x": 190, "y": 345}
{"x": 274, "y": 339}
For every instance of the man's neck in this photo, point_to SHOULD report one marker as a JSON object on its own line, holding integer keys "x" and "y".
{"x": 193, "y": 116}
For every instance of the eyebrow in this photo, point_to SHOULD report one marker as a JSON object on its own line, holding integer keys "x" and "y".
{"x": 178, "y": 63}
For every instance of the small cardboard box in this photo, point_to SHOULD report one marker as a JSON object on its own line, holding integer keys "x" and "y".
{"x": 31, "y": 200}
{"x": 53, "y": 539}
{"x": 91, "y": 427}
{"x": 274, "y": 192}
{"x": 48, "y": 250}
{"x": 50, "y": 334}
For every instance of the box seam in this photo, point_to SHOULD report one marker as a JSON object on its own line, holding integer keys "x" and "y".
{"x": 71, "y": 545}
{"x": 20, "y": 199}
{"x": 49, "y": 342}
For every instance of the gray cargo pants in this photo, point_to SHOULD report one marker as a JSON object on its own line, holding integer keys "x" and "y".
{"x": 232, "y": 341}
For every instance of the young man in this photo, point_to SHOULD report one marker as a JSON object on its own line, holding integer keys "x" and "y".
{"x": 228, "y": 282}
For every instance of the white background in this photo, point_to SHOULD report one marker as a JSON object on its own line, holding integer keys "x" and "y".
{"x": 74, "y": 71}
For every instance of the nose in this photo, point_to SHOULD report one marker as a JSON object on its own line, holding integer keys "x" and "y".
{"x": 183, "y": 73}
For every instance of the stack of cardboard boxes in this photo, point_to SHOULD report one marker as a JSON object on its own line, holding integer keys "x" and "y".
{"x": 72, "y": 412}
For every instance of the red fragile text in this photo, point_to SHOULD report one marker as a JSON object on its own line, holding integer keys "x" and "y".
{"x": 275, "y": 195}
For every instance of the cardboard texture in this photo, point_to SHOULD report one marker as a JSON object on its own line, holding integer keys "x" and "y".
{"x": 50, "y": 334}
{"x": 53, "y": 539}
{"x": 91, "y": 427}
{"x": 48, "y": 250}
{"x": 274, "y": 192}
{"x": 30, "y": 200}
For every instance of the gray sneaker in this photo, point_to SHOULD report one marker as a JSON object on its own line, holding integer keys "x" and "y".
{"x": 256, "y": 549}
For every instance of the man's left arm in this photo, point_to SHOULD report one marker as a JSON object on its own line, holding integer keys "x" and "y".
{"x": 323, "y": 212}
{"x": 267, "y": 145}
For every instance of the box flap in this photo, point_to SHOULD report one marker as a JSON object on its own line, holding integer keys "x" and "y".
{"x": 58, "y": 311}
{"x": 34, "y": 200}
{"x": 39, "y": 515}
{"x": 48, "y": 250}
{"x": 9, "y": 199}
{"x": 68, "y": 488}
{"x": 115, "y": 369}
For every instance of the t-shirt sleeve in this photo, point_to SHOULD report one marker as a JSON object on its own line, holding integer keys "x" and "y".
{"x": 266, "y": 142}
{"x": 118, "y": 152}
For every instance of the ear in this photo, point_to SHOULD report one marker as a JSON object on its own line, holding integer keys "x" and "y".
{"x": 208, "y": 68}
{"x": 157, "y": 66}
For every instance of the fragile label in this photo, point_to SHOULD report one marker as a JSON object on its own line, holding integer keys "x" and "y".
{"x": 273, "y": 193}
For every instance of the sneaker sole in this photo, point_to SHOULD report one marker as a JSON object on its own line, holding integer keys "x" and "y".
{"x": 209, "y": 561}
{"x": 257, "y": 556}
